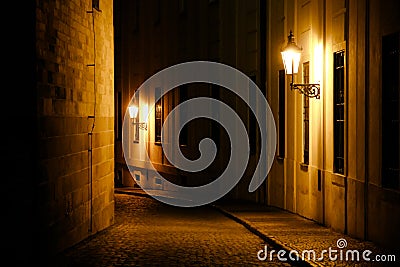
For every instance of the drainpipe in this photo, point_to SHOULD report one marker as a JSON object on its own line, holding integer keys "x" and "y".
{"x": 93, "y": 117}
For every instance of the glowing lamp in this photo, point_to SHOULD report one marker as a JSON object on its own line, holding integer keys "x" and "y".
{"x": 291, "y": 54}
{"x": 133, "y": 113}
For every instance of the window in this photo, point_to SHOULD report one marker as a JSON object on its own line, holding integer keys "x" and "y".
{"x": 158, "y": 117}
{"x": 137, "y": 177}
{"x": 157, "y": 181}
{"x": 282, "y": 109}
{"x": 306, "y": 116}
{"x": 136, "y": 120}
{"x": 391, "y": 111}
{"x": 96, "y": 4}
{"x": 338, "y": 112}
{"x": 183, "y": 96}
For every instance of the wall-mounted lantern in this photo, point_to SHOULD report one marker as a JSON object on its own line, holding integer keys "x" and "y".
{"x": 133, "y": 113}
{"x": 291, "y": 59}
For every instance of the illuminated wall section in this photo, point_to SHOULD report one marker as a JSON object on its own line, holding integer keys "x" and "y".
{"x": 75, "y": 70}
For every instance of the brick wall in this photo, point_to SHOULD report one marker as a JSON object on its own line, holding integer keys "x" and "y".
{"x": 75, "y": 106}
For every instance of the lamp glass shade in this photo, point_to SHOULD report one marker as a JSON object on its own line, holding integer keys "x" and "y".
{"x": 291, "y": 60}
{"x": 291, "y": 55}
{"x": 133, "y": 111}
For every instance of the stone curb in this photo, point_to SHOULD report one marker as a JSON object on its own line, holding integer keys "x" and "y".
{"x": 269, "y": 239}
{"x": 245, "y": 223}
{"x": 144, "y": 194}
{"x": 140, "y": 194}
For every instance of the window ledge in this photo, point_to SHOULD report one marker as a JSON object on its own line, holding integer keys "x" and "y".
{"x": 304, "y": 166}
{"x": 339, "y": 174}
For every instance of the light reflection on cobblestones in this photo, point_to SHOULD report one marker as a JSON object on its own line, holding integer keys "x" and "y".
{"x": 149, "y": 233}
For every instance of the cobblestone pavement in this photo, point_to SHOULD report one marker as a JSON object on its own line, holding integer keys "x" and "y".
{"x": 149, "y": 233}
{"x": 292, "y": 232}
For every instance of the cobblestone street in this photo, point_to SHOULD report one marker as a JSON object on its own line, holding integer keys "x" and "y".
{"x": 149, "y": 233}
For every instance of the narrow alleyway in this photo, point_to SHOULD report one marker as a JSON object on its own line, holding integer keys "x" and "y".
{"x": 149, "y": 233}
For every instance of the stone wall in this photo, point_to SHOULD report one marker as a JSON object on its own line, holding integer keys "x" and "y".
{"x": 75, "y": 116}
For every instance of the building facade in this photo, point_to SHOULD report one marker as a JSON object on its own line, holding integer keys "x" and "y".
{"x": 73, "y": 196}
{"x": 338, "y": 156}
{"x": 160, "y": 35}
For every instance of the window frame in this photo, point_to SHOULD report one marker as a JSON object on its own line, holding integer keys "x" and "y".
{"x": 306, "y": 115}
{"x": 160, "y": 118}
{"x": 136, "y": 133}
{"x": 339, "y": 112}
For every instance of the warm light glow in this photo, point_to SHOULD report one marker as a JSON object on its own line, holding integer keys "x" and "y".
{"x": 291, "y": 61}
{"x": 318, "y": 61}
{"x": 144, "y": 109}
{"x": 158, "y": 108}
{"x": 291, "y": 56}
{"x": 133, "y": 111}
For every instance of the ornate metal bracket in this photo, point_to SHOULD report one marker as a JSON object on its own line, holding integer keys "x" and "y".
{"x": 309, "y": 89}
{"x": 142, "y": 125}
